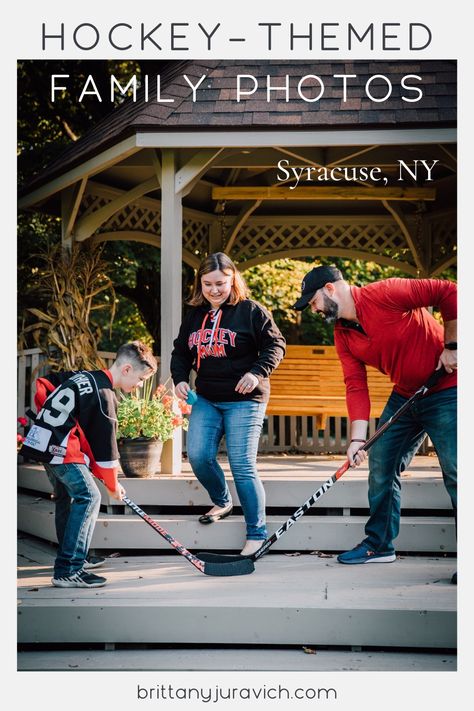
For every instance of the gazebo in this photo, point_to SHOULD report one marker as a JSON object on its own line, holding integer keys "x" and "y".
{"x": 192, "y": 177}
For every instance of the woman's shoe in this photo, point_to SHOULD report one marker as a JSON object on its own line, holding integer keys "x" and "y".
{"x": 212, "y": 518}
{"x": 251, "y": 547}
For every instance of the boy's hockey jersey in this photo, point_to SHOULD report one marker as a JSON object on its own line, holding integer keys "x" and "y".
{"x": 76, "y": 423}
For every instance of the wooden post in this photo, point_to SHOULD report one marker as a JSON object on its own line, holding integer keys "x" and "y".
{"x": 21, "y": 385}
{"x": 171, "y": 262}
{"x": 66, "y": 235}
{"x": 70, "y": 202}
{"x": 34, "y": 375}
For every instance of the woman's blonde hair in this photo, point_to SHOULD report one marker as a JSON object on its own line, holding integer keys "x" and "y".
{"x": 219, "y": 261}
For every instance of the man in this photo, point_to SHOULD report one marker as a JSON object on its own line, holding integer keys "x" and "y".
{"x": 386, "y": 325}
{"x": 74, "y": 435}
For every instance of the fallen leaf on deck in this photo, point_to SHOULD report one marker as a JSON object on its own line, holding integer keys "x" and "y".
{"x": 292, "y": 554}
{"x": 308, "y": 650}
{"x": 320, "y": 554}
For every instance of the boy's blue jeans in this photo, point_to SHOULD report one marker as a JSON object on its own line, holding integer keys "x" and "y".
{"x": 77, "y": 508}
{"x": 435, "y": 415}
{"x": 241, "y": 422}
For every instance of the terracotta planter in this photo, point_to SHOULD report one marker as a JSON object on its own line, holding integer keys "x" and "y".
{"x": 140, "y": 457}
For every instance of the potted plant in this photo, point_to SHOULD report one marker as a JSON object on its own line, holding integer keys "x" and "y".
{"x": 145, "y": 421}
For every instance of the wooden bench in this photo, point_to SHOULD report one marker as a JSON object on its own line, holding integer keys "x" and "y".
{"x": 309, "y": 381}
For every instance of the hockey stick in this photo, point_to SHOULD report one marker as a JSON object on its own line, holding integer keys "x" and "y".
{"x": 338, "y": 474}
{"x": 220, "y": 565}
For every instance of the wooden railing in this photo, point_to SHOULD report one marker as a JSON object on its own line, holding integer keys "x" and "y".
{"x": 281, "y": 433}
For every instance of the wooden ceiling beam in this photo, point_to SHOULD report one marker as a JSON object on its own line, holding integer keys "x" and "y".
{"x": 322, "y": 193}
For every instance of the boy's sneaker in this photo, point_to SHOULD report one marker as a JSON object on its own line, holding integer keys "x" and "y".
{"x": 93, "y": 561}
{"x": 363, "y": 554}
{"x": 81, "y": 579}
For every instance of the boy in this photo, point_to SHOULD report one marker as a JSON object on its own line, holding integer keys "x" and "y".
{"x": 74, "y": 435}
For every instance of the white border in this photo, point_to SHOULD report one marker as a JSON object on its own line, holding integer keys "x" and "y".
{"x": 451, "y": 26}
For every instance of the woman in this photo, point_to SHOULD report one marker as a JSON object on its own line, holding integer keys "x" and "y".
{"x": 233, "y": 345}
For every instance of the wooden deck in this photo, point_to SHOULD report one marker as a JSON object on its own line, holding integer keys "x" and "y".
{"x": 296, "y": 596}
{"x": 426, "y": 534}
{"x": 288, "y": 481}
{"x": 295, "y": 600}
{"x": 334, "y": 524}
{"x": 217, "y": 659}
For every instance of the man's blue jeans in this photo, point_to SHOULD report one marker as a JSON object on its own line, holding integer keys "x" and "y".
{"x": 435, "y": 415}
{"x": 77, "y": 508}
{"x": 241, "y": 422}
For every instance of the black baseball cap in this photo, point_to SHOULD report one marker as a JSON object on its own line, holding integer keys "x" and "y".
{"x": 314, "y": 280}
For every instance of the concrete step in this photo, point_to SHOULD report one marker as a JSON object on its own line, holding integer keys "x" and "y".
{"x": 224, "y": 659}
{"x": 303, "y": 600}
{"x": 327, "y": 533}
{"x": 288, "y": 482}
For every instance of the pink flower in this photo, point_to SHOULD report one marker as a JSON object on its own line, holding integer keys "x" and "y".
{"x": 184, "y": 407}
{"x": 22, "y": 421}
{"x": 177, "y": 421}
{"x": 167, "y": 402}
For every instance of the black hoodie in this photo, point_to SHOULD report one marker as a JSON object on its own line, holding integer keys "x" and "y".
{"x": 245, "y": 339}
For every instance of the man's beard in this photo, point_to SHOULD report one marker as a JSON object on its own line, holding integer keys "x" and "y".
{"x": 331, "y": 309}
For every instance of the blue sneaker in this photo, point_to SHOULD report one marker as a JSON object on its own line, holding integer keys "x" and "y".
{"x": 363, "y": 554}
{"x": 93, "y": 561}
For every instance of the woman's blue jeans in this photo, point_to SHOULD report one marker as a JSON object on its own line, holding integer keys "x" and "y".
{"x": 241, "y": 422}
{"x": 433, "y": 415}
{"x": 77, "y": 508}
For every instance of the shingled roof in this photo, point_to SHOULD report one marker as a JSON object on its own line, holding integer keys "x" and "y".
{"x": 217, "y": 109}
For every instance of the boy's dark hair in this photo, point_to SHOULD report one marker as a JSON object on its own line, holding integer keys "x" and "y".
{"x": 138, "y": 354}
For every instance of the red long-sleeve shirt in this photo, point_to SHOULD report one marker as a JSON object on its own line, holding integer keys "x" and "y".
{"x": 399, "y": 338}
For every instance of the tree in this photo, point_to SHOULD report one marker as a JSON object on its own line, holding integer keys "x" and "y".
{"x": 45, "y": 128}
{"x": 277, "y": 285}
